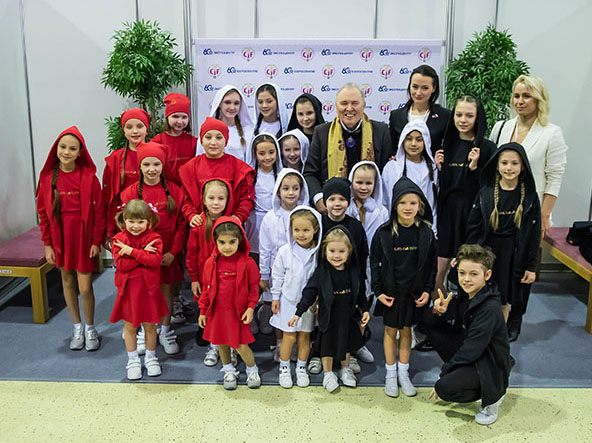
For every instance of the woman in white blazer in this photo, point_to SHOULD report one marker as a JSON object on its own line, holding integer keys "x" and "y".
{"x": 546, "y": 151}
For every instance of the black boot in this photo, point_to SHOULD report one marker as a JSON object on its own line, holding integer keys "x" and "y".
{"x": 514, "y": 326}
{"x": 199, "y": 338}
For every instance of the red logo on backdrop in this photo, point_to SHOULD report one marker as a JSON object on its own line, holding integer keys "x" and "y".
{"x": 384, "y": 107}
{"x": 271, "y": 71}
{"x": 424, "y": 54}
{"x": 386, "y": 71}
{"x": 307, "y": 54}
{"x": 328, "y": 71}
{"x": 248, "y": 54}
{"x": 307, "y": 88}
{"x": 366, "y": 89}
{"x": 214, "y": 71}
{"x": 248, "y": 89}
{"x": 328, "y": 107}
{"x": 366, "y": 54}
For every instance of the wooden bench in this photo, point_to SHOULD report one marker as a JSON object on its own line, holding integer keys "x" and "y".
{"x": 556, "y": 244}
{"x": 24, "y": 256}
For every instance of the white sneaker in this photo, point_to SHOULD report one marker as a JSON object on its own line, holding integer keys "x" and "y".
{"x": 169, "y": 342}
{"x": 330, "y": 382}
{"x": 141, "y": 342}
{"x": 488, "y": 414}
{"x": 407, "y": 387}
{"x": 230, "y": 380}
{"x": 77, "y": 339}
{"x": 276, "y": 353}
{"x": 364, "y": 355}
{"x": 212, "y": 356}
{"x": 315, "y": 365}
{"x": 152, "y": 367}
{"x": 391, "y": 387}
{"x": 285, "y": 377}
{"x": 134, "y": 369}
{"x": 347, "y": 377}
{"x": 263, "y": 316}
{"x": 91, "y": 341}
{"x": 354, "y": 365}
{"x": 294, "y": 354}
{"x": 233, "y": 357}
{"x": 302, "y": 378}
{"x": 178, "y": 316}
{"x": 253, "y": 380}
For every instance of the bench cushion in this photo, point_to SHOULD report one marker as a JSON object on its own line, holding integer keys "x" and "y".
{"x": 25, "y": 250}
{"x": 556, "y": 238}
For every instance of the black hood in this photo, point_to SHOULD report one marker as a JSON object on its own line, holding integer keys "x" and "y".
{"x": 490, "y": 169}
{"x": 479, "y": 130}
{"x": 353, "y": 257}
{"x": 406, "y": 186}
{"x": 316, "y": 105}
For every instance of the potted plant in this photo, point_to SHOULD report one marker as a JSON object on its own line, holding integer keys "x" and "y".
{"x": 143, "y": 67}
{"x": 486, "y": 69}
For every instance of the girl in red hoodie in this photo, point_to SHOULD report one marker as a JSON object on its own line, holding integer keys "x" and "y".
{"x": 121, "y": 168}
{"x": 137, "y": 251}
{"x": 229, "y": 295}
{"x": 69, "y": 202}
{"x": 168, "y": 199}
{"x": 216, "y": 164}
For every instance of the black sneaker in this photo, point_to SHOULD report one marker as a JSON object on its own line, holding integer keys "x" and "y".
{"x": 200, "y": 340}
{"x": 425, "y": 346}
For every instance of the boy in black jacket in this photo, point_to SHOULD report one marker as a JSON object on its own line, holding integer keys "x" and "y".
{"x": 480, "y": 368}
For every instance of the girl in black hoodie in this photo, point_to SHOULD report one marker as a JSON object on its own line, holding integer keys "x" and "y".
{"x": 506, "y": 216}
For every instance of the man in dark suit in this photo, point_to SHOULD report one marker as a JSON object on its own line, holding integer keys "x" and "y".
{"x": 338, "y": 145}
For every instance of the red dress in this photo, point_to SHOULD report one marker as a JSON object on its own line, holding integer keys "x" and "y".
{"x": 201, "y": 169}
{"x": 112, "y": 186}
{"x": 81, "y": 209}
{"x": 179, "y": 149}
{"x": 231, "y": 285}
{"x": 171, "y": 227}
{"x": 139, "y": 299}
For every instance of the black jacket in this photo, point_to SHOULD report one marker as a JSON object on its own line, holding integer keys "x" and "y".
{"x": 528, "y": 237}
{"x": 316, "y": 170}
{"x": 485, "y": 345}
{"x": 320, "y": 287}
{"x": 381, "y": 251}
{"x": 437, "y": 122}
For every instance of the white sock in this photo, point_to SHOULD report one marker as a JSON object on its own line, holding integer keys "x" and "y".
{"x": 88, "y": 328}
{"x": 301, "y": 363}
{"x": 164, "y": 329}
{"x": 403, "y": 368}
{"x": 391, "y": 368}
{"x": 150, "y": 354}
{"x": 284, "y": 364}
{"x": 78, "y": 326}
{"x": 228, "y": 368}
{"x": 251, "y": 369}
{"x": 133, "y": 355}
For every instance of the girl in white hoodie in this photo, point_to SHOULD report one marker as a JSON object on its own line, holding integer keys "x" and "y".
{"x": 294, "y": 147}
{"x": 290, "y": 191}
{"x": 229, "y": 106}
{"x": 270, "y": 110}
{"x": 293, "y": 266}
{"x": 413, "y": 160}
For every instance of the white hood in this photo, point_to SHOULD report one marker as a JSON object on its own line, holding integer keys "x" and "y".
{"x": 319, "y": 218}
{"x": 281, "y": 106}
{"x": 250, "y": 158}
{"x": 417, "y": 125}
{"x": 302, "y": 139}
{"x": 243, "y": 113}
{"x": 302, "y": 199}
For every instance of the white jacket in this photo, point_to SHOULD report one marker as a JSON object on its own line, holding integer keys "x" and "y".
{"x": 274, "y": 227}
{"x": 290, "y": 274}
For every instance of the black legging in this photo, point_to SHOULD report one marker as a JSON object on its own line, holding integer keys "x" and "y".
{"x": 446, "y": 339}
{"x": 460, "y": 386}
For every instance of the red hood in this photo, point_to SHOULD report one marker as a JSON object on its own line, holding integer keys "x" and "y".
{"x": 229, "y": 203}
{"x": 83, "y": 161}
{"x": 244, "y": 248}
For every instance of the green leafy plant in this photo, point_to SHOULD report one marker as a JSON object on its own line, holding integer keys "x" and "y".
{"x": 144, "y": 67}
{"x": 486, "y": 69}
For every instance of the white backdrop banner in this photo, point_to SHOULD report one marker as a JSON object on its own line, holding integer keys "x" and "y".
{"x": 318, "y": 67}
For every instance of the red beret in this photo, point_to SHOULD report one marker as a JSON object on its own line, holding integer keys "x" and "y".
{"x": 140, "y": 114}
{"x": 210, "y": 124}
{"x": 151, "y": 149}
{"x": 177, "y": 103}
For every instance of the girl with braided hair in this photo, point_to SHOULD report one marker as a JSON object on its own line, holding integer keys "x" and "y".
{"x": 506, "y": 216}
{"x": 167, "y": 199}
{"x": 69, "y": 203}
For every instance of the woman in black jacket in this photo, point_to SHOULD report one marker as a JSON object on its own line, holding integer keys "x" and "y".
{"x": 423, "y": 90}
{"x": 506, "y": 216}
